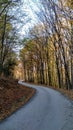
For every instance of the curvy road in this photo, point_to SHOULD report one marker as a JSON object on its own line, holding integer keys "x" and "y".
{"x": 46, "y": 110}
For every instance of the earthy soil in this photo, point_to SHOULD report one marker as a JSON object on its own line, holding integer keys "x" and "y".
{"x": 12, "y": 96}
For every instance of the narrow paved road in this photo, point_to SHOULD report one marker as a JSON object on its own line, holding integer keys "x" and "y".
{"x": 47, "y": 110}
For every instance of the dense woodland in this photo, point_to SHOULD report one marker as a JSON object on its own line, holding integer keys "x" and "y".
{"x": 9, "y": 17}
{"x": 47, "y": 55}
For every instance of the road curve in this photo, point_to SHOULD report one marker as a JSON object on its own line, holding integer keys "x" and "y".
{"x": 47, "y": 110}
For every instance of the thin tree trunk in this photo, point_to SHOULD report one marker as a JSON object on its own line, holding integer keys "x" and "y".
{"x": 2, "y": 45}
{"x": 57, "y": 65}
{"x": 72, "y": 54}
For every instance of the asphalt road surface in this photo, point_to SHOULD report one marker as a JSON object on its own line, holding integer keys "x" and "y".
{"x": 46, "y": 110}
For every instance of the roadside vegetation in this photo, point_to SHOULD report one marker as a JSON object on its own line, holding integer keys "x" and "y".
{"x": 47, "y": 57}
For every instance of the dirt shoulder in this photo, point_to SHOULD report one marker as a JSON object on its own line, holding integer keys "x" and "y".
{"x": 67, "y": 93}
{"x": 13, "y": 96}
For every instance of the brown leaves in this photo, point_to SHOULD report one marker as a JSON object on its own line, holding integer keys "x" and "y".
{"x": 12, "y": 96}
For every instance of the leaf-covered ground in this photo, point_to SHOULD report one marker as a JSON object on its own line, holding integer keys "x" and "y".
{"x": 12, "y": 96}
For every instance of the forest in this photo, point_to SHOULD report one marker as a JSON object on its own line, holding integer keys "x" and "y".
{"x": 47, "y": 54}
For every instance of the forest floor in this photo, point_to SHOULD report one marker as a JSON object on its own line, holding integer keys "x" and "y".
{"x": 13, "y": 96}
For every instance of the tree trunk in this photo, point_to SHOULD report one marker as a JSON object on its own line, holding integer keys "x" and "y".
{"x": 57, "y": 65}
{"x": 2, "y": 45}
{"x": 72, "y": 54}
